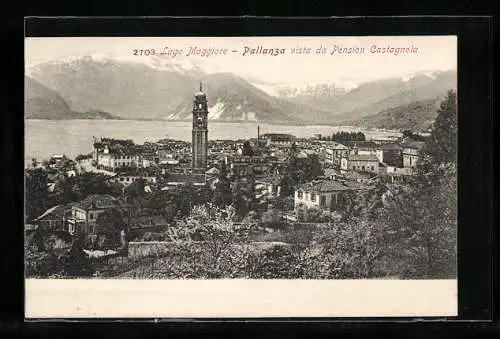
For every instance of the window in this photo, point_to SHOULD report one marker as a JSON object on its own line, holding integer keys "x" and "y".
{"x": 300, "y": 194}
{"x": 199, "y": 106}
{"x": 313, "y": 197}
{"x": 363, "y": 168}
{"x": 322, "y": 200}
{"x": 373, "y": 168}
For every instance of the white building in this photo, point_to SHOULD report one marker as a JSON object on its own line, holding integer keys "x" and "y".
{"x": 323, "y": 194}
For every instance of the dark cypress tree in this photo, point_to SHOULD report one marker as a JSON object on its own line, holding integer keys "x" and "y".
{"x": 442, "y": 146}
{"x": 247, "y": 149}
{"x": 222, "y": 194}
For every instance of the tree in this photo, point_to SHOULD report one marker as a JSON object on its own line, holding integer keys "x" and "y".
{"x": 420, "y": 221}
{"x": 75, "y": 262}
{"x": 36, "y": 194}
{"x": 414, "y": 136}
{"x": 243, "y": 196}
{"x": 222, "y": 193}
{"x": 442, "y": 146}
{"x": 90, "y": 183}
{"x": 272, "y": 219}
{"x": 135, "y": 189}
{"x": 110, "y": 223}
{"x": 300, "y": 170}
{"x": 211, "y": 241}
{"x": 350, "y": 250}
{"x": 420, "y": 227}
{"x": 247, "y": 149}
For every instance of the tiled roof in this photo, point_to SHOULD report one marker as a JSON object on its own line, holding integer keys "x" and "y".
{"x": 335, "y": 145}
{"x": 55, "y": 211}
{"x": 363, "y": 157}
{"x": 98, "y": 201}
{"x": 412, "y": 144}
{"x": 357, "y": 175}
{"x": 328, "y": 186}
{"x": 331, "y": 171}
{"x": 360, "y": 144}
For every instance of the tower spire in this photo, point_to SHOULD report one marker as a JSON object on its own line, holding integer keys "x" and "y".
{"x": 201, "y": 88}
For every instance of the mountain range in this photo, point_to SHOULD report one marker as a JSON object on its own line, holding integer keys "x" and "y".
{"x": 161, "y": 89}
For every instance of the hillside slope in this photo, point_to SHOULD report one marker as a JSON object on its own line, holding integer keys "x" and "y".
{"x": 418, "y": 116}
{"x": 421, "y": 90}
{"x": 41, "y": 102}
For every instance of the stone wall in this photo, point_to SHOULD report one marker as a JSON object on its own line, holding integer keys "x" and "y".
{"x": 137, "y": 250}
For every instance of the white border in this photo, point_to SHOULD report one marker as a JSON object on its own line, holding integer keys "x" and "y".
{"x": 88, "y": 298}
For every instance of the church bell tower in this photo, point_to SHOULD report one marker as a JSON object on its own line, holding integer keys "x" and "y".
{"x": 200, "y": 132}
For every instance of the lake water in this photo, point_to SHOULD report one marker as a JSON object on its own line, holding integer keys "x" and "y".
{"x": 44, "y": 138}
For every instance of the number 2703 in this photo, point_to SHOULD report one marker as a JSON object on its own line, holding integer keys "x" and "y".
{"x": 144, "y": 52}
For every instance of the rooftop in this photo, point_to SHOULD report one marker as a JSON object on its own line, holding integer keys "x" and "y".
{"x": 329, "y": 186}
{"x": 98, "y": 201}
{"x": 55, "y": 211}
{"x": 360, "y": 144}
{"x": 390, "y": 146}
{"x": 335, "y": 145}
{"x": 408, "y": 143}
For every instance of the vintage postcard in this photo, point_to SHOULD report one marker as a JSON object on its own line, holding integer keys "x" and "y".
{"x": 241, "y": 176}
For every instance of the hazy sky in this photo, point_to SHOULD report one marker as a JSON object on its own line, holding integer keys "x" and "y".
{"x": 427, "y": 53}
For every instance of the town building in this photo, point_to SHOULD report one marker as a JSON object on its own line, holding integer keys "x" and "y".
{"x": 398, "y": 174}
{"x": 324, "y": 194}
{"x": 360, "y": 163}
{"x": 390, "y": 154}
{"x": 334, "y": 152}
{"x": 411, "y": 152}
{"x": 278, "y": 139}
{"x": 361, "y": 147}
{"x": 268, "y": 187}
{"x": 82, "y": 218}
{"x": 52, "y": 219}
{"x": 115, "y": 154}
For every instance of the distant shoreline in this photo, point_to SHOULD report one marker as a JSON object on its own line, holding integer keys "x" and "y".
{"x": 285, "y": 123}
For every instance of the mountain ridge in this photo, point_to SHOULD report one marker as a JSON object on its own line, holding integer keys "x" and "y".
{"x": 163, "y": 90}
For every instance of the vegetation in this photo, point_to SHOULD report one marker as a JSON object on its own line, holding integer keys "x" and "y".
{"x": 406, "y": 230}
{"x": 299, "y": 170}
{"x": 414, "y": 136}
{"x": 347, "y": 136}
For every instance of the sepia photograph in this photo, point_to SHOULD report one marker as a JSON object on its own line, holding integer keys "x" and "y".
{"x": 241, "y": 158}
